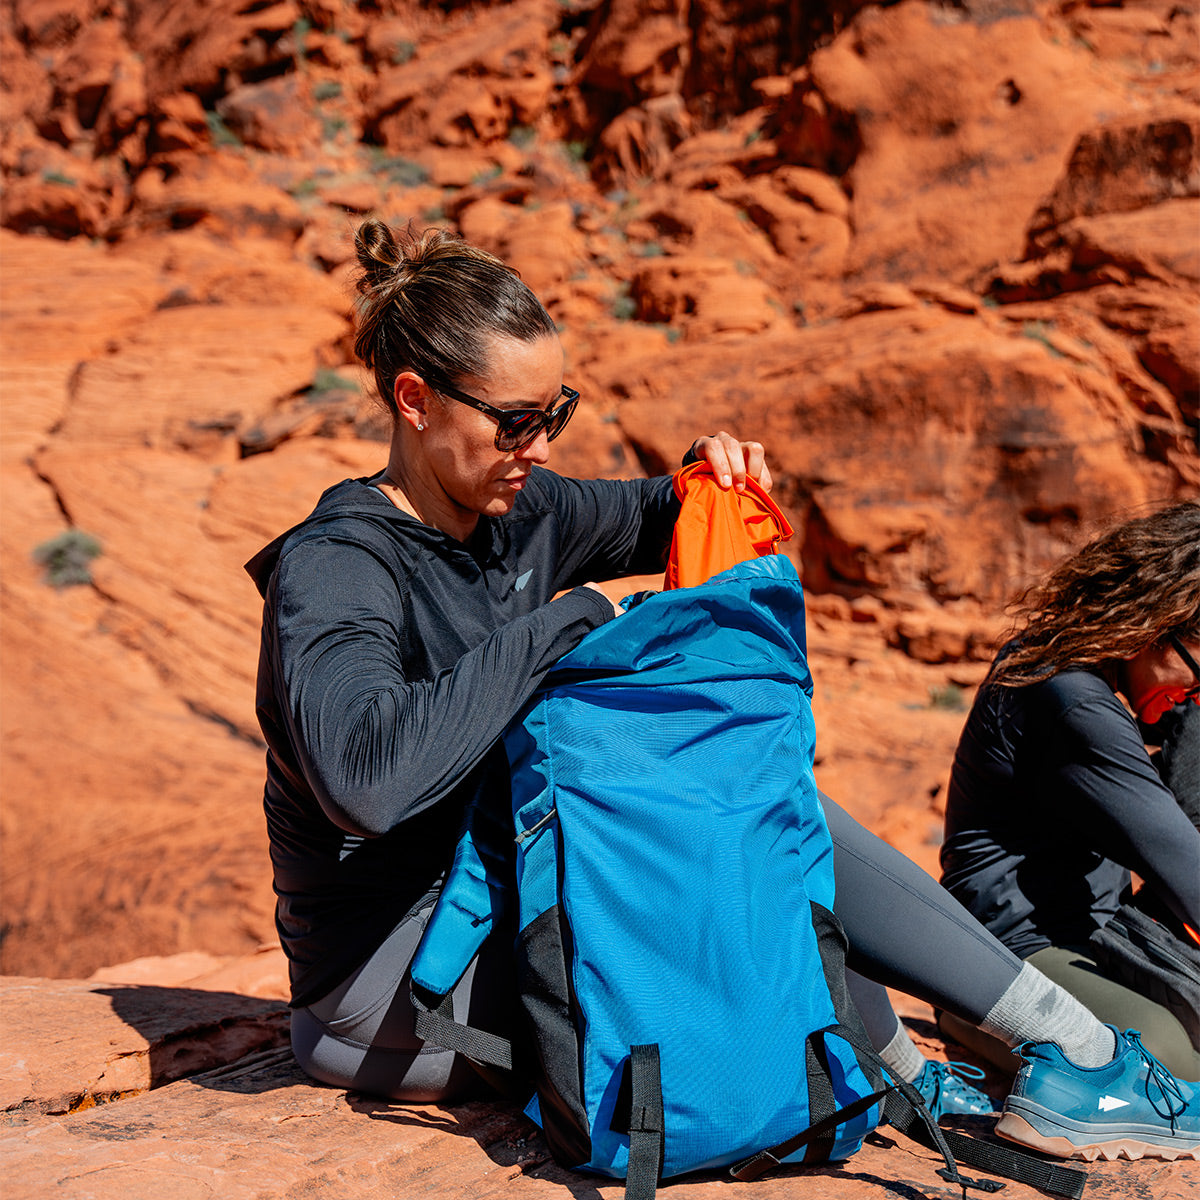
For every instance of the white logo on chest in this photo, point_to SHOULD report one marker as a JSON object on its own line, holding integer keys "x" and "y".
{"x": 522, "y": 580}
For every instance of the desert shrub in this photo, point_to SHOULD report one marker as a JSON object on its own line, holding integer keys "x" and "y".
{"x": 401, "y": 171}
{"x": 949, "y": 696}
{"x": 1039, "y": 331}
{"x": 624, "y": 306}
{"x": 327, "y": 380}
{"x": 66, "y": 558}
{"x": 220, "y": 133}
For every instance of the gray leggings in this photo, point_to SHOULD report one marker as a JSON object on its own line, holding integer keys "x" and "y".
{"x": 904, "y": 929}
{"x": 361, "y": 1034}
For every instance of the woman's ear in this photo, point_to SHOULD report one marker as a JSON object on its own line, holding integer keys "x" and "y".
{"x": 411, "y": 395}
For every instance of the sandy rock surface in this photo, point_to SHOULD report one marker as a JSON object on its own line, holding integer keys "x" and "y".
{"x": 231, "y": 1116}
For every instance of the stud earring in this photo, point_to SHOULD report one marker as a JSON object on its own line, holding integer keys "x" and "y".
{"x": 420, "y": 427}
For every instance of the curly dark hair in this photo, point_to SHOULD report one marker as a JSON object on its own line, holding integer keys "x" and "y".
{"x": 1132, "y": 587}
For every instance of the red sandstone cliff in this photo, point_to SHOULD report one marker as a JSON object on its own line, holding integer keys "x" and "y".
{"x": 942, "y": 258}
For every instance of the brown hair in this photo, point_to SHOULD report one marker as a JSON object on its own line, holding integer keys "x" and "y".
{"x": 430, "y": 301}
{"x": 1128, "y": 589}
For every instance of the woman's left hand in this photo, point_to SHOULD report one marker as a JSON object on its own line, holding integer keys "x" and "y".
{"x": 733, "y": 462}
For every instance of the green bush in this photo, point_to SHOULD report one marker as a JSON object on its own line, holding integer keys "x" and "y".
{"x": 949, "y": 696}
{"x": 332, "y": 126}
{"x": 401, "y": 171}
{"x": 220, "y": 133}
{"x": 327, "y": 380}
{"x": 300, "y": 31}
{"x": 624, "y": 306}
{"x": 1040, "y": 331}
{"x": 65, "y": 558}
{"x": 302, "y": 188}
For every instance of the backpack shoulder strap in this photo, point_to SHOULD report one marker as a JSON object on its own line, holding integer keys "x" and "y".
{"x": 474, "y": 900}
{"x": 434, "y": 1022}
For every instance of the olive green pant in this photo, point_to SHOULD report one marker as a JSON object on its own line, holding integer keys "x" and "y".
{"x": 1112, "y": 1002}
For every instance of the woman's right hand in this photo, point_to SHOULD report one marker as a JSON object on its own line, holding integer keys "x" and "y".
{"x": 617, "y": 609}
{"x": 733, "y": 461}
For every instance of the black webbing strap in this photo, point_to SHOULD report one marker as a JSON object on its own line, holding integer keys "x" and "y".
{"x": 437, "y": 1025}
{"x": 758, "y": 1164}
{"x": 646, "y": 1124}
{"x": 907, "y": 1112}
{"x": 821, "y": 1100}
{"x": 903, "y": 1115}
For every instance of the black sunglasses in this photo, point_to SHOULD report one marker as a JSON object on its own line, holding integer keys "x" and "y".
{"x": 1193, "y": 693}
{"x": 517, "y": 427}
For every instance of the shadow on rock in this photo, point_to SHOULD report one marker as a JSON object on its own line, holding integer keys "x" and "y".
{"x": 206, "y": 1036}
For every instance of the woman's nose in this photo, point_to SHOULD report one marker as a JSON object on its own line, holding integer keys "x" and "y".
{"x": 537, "y": 451}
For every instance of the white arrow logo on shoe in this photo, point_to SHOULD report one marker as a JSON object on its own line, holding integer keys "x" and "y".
{"x": 1108, "y": 1103}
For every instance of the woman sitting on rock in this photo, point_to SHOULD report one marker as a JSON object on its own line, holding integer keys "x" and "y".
{"x": 1054, "y": 798}
{"x": 412, "y": 615}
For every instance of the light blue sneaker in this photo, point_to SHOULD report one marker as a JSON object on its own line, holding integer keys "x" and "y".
{"x": 1132, "y": 1106}
{"x": 944, "y": 1089}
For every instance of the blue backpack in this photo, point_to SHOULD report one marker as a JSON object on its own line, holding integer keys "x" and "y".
{"x": 677, "y": 955}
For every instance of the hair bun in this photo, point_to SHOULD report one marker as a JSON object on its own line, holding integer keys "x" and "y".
{"x": 379, "y": 254}
{"x": 430, "y": 302}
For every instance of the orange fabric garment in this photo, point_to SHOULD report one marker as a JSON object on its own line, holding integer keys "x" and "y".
{"x": 718, "y": 527}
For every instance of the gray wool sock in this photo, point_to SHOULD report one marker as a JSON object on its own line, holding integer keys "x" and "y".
{"x": 902, "y": 1055}
{"x": 1035, "y": 1009}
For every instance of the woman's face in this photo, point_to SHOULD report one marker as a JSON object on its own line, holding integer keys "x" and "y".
{"x": 458, "y": 443}
{"x": 1157, "y": 678}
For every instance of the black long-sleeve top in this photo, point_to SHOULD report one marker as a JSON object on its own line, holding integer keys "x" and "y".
{"x": 1053, "y": 800}
{"x": 393, "y": 657}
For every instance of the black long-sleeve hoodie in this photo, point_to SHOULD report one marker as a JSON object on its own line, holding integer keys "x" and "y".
{"x": 1053, "y": 800}
{"x": 392, "y": 659}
